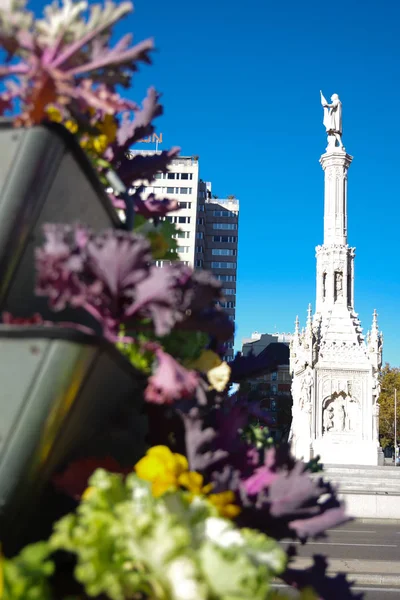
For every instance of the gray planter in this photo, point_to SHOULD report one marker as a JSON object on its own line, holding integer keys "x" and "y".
{"x": 64, "y": 395}
{"x": 45, "y": 177}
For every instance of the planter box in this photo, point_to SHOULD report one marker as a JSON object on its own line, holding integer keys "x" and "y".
{"x": 45, "y": 177}
{"x": 64, "y": 395}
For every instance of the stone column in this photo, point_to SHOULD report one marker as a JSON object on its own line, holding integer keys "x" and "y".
{"x": 335, "y": 164}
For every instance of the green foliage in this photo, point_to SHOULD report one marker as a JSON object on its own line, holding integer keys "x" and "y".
{"x": 127, "y": 542}
{"x": 389, "y": 380}
{"x": 185, "y": 345}
{"x": 160, "y": 235}
{"x": 26, "y": 575}
{"x": 135, "y": 352}
{"x": 314, "y": 465}
{"x": 258, "y": 435}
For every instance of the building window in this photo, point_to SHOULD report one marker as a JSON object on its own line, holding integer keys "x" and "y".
{"x": 157, "y": 176}
{"x": 274, "y": 376}
{"x": 199, "y": 263}
{"x": 170, "y": 175}
{"x": 185, "y": 204}
{"x": 273, "y": 405}
{"x": 229, "y": 304}
{"x": 183, "y": 190}
{"x": 200, "y": 221}
{"x": 181, "y": 234}
{"x": 224, "y": 238}
{"x": 274, "y": 389}
{"x": 200, "y": 235}
{"x": 231, "y": 317}
{"x": 223, "y": 252}
{"x": 229, "y": 292}
{"x": 182, "y": 249}
{"x": 170, "y": 190}
{"x": 223, "y": 213}
{"x": 223, "y": 265}
{"x": 184, "y": 175}
{"x": 225, "y": 226}
{"x": 201, "y": 208}
{"x": 199, "y": 249}
{"x": 226, "y": 277}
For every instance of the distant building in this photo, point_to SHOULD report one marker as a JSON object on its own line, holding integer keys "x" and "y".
{"x": 217, "y": 246}
{"x": 259, "y": 341}
{"x": 265, "y": 377}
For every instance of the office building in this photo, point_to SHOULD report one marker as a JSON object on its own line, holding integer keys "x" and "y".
{"x": 207, "y": 236}
{"x": 181, "y": 183}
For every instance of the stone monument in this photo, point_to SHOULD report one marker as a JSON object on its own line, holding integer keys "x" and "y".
{"x": 335, "y": 386}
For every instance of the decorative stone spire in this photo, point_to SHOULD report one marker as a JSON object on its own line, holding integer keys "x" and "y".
{"x": 309, "y": 318}
{"x": 375, "y": 343}
{"x": 297, "y": 326}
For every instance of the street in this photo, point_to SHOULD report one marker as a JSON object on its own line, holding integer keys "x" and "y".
{"x": 367, "y": 551}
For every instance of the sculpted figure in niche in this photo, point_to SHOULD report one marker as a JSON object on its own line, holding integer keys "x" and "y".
{"x": 342, "y": 417}
{"x": 338, "y": 285}
{"x": 329, "y": 419}
{"x": 352, "y": 415}
{"x": 306, "y": 386}
{"x": 333, "y": 119}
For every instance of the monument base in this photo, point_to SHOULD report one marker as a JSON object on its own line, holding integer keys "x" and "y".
{"x": 357, "y": 452}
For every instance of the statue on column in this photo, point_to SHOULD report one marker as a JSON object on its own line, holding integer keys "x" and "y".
{"x": 333, "y": 120}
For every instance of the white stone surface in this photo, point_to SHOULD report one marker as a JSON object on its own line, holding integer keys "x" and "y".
{"x": 335, "y": 385}
{"x": 369, "y": 492}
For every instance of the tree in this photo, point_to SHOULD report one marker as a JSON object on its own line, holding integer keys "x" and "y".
{"x": 390, "y": 380}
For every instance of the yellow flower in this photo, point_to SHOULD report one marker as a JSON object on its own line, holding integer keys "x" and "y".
{"x": 224, "y": 503}
{"x": 193, "y": 481}
{"x": 108, "y": 127}
{"x": 162, "y": 469}
{"x": 71, "y": 126}
{"x": 219, "y": 376}
{"x": 207, "y": 360}
{"x": 54, "y": 114}
{"x": 168, "y": 471}
{"x": 218, "y": 372}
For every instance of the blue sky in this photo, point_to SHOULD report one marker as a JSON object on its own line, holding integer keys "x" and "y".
{"x": 240, "y": 84}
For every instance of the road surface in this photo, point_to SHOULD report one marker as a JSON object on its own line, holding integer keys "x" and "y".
{"x": 368, "y": 551}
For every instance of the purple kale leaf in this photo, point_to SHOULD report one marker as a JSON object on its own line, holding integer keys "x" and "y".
{"x": 99, "y": 272}
{"x": 144, "y": 167}
{"x": 152, "y": 207}
{"x": 200, "y": 438}
{"x": 177, "y": 296}
{"x": 170, "y": 380}
{"x": 284, "y": 501}
{"x": 133, "y": 130}
{"x": 56, "y": 53}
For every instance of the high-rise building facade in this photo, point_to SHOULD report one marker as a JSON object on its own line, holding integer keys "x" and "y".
{"x": 181, "y": 183}
{"x": 221, "y": 251}
{"x": 208, "y": 227}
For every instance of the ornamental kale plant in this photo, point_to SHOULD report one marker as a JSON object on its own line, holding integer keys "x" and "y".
{"x": 206, "y": 522}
